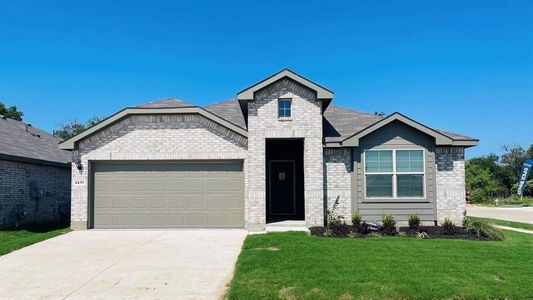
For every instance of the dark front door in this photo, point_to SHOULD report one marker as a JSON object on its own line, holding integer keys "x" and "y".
{"x": 282, "y": 200}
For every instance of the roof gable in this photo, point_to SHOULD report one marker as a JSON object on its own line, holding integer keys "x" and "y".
{"x": 72, "y": 143}
{"x": 440, "y": 138}
{"x": 321, "y": 92}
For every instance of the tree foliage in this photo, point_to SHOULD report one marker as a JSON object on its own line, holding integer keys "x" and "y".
{"x": 72, "y": 127}
{"x": 492, "y": 176}
{"x": 11, "y": 112}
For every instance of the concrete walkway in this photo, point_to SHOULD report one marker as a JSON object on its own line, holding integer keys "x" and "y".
{"x": 179, "y": 264}
{"x": 517, "y": 214}
{"x": 514, "y": 229}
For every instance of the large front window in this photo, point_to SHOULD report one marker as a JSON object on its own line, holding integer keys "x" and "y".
{"x": 394, "y": 173}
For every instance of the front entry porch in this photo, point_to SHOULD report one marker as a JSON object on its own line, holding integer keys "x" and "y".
{"x": 284, "y": 180}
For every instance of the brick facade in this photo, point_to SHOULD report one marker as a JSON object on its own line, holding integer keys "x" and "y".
{"x": 450, "y": 181}
{"x": 151, "y": 137}
{"x": 33, "y": 193}
{"x": 337, "y": 180}
{"x": 263, "y": 123}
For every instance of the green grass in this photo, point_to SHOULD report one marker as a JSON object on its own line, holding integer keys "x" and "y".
{"x": 516, "y": 201}
{"x": 13, "y": 239}
{"x": 293, "y": 265}
{"x": 508, "y": 223}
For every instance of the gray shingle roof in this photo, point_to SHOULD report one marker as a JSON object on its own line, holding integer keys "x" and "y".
{"x": 25, "y": 141}
{"x": 165, "y": 103}
{"x": 229, "y": 110}
{"x": 339, "y": 123}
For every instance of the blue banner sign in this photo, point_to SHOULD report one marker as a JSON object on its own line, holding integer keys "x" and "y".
{"x": 524, "y": 173}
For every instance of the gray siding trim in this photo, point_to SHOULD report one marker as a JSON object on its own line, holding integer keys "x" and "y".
{"x": 395, "y": 136}
{"x": 72, "y": 143}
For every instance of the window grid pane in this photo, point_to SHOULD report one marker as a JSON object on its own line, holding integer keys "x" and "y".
{"x": 409, "y": 161}
{"x": 284, "y": 108}
{"x": 379, "y": 185}
{"x": 410, "y": 185}
{"x": 378, "y": 161}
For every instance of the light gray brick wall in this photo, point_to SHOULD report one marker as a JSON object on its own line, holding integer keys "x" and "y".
{"x": 151, "y": 137}
{"x": 263, "y": 123}
{"x": 32, "y": 193}
{"x": 450, "y": 181}
{"x": 337, "y": 180}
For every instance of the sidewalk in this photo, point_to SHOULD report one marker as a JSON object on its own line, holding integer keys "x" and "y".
{"x": 516, "y": 214}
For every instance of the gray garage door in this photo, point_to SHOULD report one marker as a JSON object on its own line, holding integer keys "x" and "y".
{"x": 168, "y": 195}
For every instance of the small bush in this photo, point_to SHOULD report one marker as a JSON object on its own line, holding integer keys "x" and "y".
{"x": 334, "y": 219}
{"x": 389, "y": 225}
{"x": 352, "y": 234}
{"x": 414, "y": 221}
{"x": 356, "y": 219}
{"x": 449, "y": 226}
{"x": 328, "y": 232}
{"x": 483, "y": 228}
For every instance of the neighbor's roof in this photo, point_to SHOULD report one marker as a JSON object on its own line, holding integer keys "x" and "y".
{"x": 24, "y": 142}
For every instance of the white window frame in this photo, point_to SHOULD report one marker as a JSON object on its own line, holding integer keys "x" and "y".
{"x": 394, "y": 173}
{"x": 290, "y": 110}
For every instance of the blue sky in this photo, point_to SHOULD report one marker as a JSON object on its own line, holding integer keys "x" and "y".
{"x": 463, "y": 66}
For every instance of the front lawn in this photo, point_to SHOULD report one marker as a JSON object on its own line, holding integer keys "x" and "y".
{"x": 293, "y": 265}
{"x": 13, "y": 239}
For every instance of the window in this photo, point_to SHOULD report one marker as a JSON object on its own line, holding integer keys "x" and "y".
{"x": 394, "y": 173}
{"x": 284, "y": 108}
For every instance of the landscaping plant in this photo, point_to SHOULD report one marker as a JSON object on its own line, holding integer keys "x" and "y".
{"x": 449, "y": 226}
{"x": 414, "y": 221}
{"x": 356, "y": 219}
{"x": 334, "y": 219}
{"x": 483, "y": 228}
{"x": 389, "y": 224}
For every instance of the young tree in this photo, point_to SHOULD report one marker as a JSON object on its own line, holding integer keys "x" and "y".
{"x": 513, "y": 158}
{"x": 73, "y": 127}
{"x": 11, "y": 112}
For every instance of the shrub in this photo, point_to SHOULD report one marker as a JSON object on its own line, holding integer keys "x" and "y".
{"x": 389, "y": 225}
{"x": 483, "y": 228}
{"x": 449, "y": 226}
{"x": 333, "y": 219}
{"x": 352, "y": 234}
{"x": 414, "y": 221}
{"x": 356, "y": 219}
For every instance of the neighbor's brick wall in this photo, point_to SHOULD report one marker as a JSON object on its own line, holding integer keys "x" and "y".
{"x": 337, "y": 180}
{"x": 152, "y": 137}
{"x": 263, "y": 123}
{"x": 450, "y": 181}
{"x": 49, "y": 200}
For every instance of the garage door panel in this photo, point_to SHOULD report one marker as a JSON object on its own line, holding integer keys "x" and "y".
{"x": 174, "y": 194}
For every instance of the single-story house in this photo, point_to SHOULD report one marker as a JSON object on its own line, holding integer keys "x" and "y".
{"x": 34, "y": 175}
{"x": 279, "y": 151}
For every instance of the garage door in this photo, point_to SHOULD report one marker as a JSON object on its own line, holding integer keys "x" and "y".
{"x": 168, "y": 195}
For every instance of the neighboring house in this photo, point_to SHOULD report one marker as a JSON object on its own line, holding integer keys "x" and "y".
{"x": 34, "y": 175}
{"x": 279, "y": 151}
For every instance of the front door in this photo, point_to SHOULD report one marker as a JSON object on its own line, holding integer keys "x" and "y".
{"x": 282, "y": 200}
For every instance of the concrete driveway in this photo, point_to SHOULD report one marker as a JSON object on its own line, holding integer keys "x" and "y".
{"x": 113, "y": 264}
{"x": 517, "y": 214}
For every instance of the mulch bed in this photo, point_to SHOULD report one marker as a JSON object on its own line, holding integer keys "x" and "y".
{"x": 350, "y": 231}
